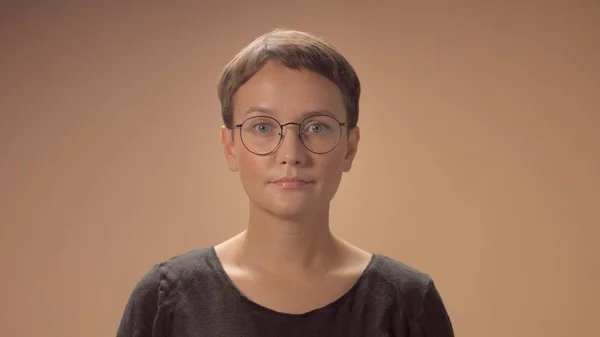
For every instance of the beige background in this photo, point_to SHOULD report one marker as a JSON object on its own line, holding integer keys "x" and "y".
{"x": 479, "y": 161}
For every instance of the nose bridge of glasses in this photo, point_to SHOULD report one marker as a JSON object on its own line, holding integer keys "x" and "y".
{"x": 296, "y": 142}
{"x": 283, "y": 133}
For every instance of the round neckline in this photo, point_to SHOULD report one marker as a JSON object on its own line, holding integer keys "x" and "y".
{"x": 237, "y": 293}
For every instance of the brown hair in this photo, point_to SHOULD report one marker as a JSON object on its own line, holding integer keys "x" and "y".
{"x": 295, "y": 50}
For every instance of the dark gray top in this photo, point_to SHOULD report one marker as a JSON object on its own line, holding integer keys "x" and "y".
{"x": 191, "y": 296}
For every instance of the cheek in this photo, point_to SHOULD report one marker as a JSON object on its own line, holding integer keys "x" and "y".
{"x": 331, "y": 171}
{"x": 251, "y": 169}
{"x": 334, "y": 161}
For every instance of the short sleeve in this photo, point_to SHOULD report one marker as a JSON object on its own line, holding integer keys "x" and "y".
{"x": 144, "y": 312}
{"x": 433, "y": 319}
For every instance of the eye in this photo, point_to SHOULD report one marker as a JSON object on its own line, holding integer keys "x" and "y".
{"x": 262, "y": 127}
{"x": 317, "y": 128}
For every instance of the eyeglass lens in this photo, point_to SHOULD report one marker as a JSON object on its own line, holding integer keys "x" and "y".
{"x": 262, "y": 135}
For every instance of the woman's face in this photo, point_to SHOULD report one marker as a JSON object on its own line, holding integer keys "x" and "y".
{"x": 289, "y": 95}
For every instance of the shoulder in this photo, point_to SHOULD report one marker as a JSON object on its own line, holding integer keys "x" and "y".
{"x": 402, "y": 277}
{"x": 189, "y": 263}
{"x": 199, "y": 266}
{"x": 414, "y": 293}
{"x": 398, "y": 282}
{"x": 179, "y": 270}
{"x": 150, "y": 301}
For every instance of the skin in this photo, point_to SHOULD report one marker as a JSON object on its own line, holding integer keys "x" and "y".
{"x": 287, "y": 259}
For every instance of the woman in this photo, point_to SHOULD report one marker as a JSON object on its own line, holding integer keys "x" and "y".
{"x": 290, "y": 108}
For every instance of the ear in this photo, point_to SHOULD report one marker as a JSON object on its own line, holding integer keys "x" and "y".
{"x": 229, "y": 148}
{"x": 351, "y": 148}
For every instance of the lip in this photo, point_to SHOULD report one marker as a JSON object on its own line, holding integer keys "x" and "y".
{"x": 291, "y": 182}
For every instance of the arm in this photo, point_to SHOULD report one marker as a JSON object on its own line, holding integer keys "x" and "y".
{"x": 433, "y": 319}
{"x": 142, "y": 316}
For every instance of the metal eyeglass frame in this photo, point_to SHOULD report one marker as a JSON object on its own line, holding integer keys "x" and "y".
{"x": 282, "y": 133}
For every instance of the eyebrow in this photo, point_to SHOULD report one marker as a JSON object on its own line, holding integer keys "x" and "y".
{"x": 272, "y": 113}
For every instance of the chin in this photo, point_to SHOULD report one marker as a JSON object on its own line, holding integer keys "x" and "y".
{"x": 288, "y": 208}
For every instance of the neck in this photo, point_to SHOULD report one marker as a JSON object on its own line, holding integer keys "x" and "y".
{"x": 272, "y": 243}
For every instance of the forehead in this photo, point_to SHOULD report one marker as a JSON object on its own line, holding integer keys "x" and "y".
{"x": 287, "y": 94}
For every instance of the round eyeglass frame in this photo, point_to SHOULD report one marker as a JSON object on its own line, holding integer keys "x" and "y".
{"x": 298, "y": 133}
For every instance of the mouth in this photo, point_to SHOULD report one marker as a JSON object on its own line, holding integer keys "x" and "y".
{"x": 292, "y": 182}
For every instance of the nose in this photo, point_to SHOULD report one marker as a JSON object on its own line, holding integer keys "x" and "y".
{"x": 291, "y": 151}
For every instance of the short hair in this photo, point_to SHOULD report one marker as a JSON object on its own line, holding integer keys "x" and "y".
{"x": 295, "y": 50}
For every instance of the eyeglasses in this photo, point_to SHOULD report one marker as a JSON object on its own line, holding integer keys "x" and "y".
{"x": 319, "y": 134}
